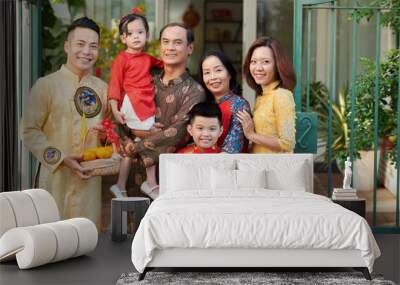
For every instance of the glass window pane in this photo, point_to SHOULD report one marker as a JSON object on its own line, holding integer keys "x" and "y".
{"x": 275, "y": 19}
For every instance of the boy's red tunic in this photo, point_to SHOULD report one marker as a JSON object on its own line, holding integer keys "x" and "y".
{"x": 130, "y": 75}
{"x": 194, "y": 149}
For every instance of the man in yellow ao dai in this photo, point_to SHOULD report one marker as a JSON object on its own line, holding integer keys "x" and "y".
{"x": 52, "y": 124}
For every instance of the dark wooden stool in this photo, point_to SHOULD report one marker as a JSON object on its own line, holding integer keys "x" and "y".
{"x": 119, "y": 209}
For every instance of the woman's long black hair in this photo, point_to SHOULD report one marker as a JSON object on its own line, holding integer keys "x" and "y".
{"x": 234, "y": 86}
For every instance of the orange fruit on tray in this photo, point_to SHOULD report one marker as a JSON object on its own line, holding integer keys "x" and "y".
{"x": 98, "y": 152}
{"x": 104, "y": 152}
{"x": 89, "y": 155}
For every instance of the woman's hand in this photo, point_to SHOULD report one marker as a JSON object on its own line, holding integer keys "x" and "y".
{"x": 247, "y": 124}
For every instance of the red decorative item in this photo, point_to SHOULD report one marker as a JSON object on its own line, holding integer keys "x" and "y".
{"x": 107, "y": 123}
{"x": 137, "y": 10}
{"x": 111, "y": 135}
{"x": 98, "y": 72}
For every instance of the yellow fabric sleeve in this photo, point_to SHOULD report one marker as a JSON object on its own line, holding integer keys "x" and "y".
{"x": 33, "y": 121}
{"x": 284, "y": 108}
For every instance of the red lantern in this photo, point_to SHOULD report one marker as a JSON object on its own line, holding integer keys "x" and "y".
{"x": 191, "y": 18}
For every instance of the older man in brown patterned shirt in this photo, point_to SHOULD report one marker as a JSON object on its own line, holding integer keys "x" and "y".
{"x": 176, "y": 93}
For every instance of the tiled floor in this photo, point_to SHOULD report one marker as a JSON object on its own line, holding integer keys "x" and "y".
{"x": 385, "y": 207}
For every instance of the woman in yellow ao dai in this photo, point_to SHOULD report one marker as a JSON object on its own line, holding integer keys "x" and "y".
{"x": 270, "y": 73}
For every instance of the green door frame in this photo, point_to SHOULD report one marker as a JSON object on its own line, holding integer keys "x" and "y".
{"x": 298, "y": 43}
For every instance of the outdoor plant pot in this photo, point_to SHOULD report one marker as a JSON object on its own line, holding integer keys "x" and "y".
{"x": 363, "y": 173}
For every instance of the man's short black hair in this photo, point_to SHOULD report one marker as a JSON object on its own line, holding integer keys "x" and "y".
{"x": 189, "y": 32}
{"x": 125, "y": 20}
{"x": 206, "y": 109}
{"x": 84, "y": 22}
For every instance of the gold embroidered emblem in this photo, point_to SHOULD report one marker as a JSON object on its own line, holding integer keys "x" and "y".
{"x": 86, "y": 100}
{"x": 51, "y": 155}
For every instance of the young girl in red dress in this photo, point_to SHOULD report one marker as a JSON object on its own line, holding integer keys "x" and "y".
{"x": 131, "y": 92}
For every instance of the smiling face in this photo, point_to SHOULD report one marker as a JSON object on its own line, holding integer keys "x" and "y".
{"x": 262, "y": 66}
{"x": 135, "y": 37}
{"x": 205, "y": 131}
{"x": 82, "y": 49}
{"x": 174, "y": 47}
{"x": 215, "y": 76}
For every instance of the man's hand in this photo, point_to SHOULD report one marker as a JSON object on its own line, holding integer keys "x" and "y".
{"x": 129, "y": 146}
{"x": 157, "y": 127}
{"x": 141, "y": 134}
{"x": 72, "y": 162}
{"x": 101, "y": 131}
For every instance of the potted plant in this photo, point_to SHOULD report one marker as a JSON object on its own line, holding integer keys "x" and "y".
{"x": 389, "y": 84}
{"x": 364, "y": 115}
{"x": 389, "y": 87}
